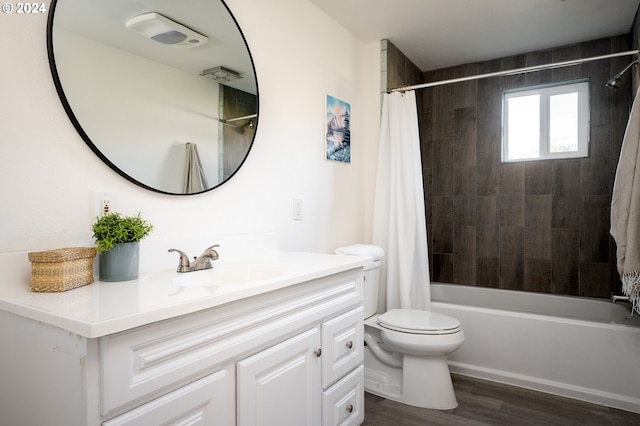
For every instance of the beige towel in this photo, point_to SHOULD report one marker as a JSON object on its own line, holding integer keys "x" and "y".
{"x": 195, "y": 180}
{"x": 625, "y": 208}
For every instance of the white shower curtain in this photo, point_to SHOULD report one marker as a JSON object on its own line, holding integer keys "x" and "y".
{"x": 399, "y": 223}
{"x": 195, "y": 179}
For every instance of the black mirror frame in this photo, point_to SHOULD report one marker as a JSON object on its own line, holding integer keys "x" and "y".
{"x": 87, "y": 139}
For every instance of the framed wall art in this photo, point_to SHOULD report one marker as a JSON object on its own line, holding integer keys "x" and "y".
{"x": 338, "y": 130}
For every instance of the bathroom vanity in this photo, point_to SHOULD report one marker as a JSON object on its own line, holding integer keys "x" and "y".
{"x": 218, "y": 348}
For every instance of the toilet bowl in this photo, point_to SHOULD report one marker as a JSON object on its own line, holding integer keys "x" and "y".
{"x": 406, "y": 350}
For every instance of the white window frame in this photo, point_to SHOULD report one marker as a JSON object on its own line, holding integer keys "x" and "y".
{"x": 545, "y": 92}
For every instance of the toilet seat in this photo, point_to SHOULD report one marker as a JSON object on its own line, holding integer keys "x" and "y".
{"x": 416, "y": 321}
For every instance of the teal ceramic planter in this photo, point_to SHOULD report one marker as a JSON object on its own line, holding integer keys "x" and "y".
{"x": 120, "y": 263}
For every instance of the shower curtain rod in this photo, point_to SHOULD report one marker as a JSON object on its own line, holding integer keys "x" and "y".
{"x": 244, "y": 117}
{"x": 514, "y": 71}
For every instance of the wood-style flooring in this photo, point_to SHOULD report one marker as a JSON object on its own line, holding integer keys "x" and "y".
{"x": 482, "y": 402}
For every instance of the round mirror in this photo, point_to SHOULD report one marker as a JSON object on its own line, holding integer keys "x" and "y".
{"x": 163, "y": 91}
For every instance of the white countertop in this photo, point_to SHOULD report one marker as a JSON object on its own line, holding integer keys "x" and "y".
{"x": 104, "y": 308}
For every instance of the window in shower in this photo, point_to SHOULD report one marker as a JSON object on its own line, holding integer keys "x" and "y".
{"x": 546, "y": 122}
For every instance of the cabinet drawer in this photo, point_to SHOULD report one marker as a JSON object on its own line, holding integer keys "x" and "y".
{"x": 343, "y": 403}
{"x": 342, "y": 345}
{"x": 205, "y": 402}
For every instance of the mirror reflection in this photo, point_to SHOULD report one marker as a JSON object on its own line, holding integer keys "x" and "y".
{"x": 164, "y": 92}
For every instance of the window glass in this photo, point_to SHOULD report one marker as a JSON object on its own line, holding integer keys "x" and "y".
{"x": 546, "y": 122}
{"x": 563, "y": 123}
{"x": 524, "y": 127}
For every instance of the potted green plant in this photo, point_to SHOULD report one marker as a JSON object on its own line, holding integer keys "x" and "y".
{"x": 117, "y": 240}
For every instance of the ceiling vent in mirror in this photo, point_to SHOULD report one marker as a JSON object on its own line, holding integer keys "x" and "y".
{"x": 163, "y": 30}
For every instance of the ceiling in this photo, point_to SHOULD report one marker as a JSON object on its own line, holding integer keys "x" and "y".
{"x": 440, "y": 33}
{"x": 432, "y": 33}
{"x": 104, "y": 21}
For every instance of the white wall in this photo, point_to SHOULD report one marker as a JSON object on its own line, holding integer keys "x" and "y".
{"x": 47, "y": 173}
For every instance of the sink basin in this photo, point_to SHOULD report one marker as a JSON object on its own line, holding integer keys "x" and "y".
{"x": 232, "y": 273}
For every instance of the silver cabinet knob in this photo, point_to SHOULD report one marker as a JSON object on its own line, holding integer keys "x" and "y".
{"x": 349, "y": 344}
{"x": 350, "y": 408}
{"x": 318, "y": 352}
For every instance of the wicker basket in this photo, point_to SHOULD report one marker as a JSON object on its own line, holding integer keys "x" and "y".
{"x": 61, "y": 269}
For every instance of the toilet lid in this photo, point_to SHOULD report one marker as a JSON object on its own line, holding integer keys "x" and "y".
{"x": 418, "y": 322}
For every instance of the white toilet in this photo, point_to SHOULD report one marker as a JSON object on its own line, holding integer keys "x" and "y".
{"x": 405, "y": 349}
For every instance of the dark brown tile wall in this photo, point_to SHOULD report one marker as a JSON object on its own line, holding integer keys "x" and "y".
{"x": 397, "y": 69}
{"x": 238, "y": 139}
{"x": 538, "y": 226}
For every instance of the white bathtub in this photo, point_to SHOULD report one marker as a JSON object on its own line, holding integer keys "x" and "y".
{"x": 577, "y": 347}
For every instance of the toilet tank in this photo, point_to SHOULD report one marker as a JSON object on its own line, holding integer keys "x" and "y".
{"x": 371, "y": 280}
{"x": 371, "y": 273}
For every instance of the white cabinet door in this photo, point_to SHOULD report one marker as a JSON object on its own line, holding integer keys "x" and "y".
{"x": 207, "y": 401}
{"x": 281, "y": 385}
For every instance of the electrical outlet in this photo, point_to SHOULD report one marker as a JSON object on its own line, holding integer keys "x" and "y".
{"x": 297, "y": 209}
{"x": 103, "y": 202}
{"x": 105, "y": 206}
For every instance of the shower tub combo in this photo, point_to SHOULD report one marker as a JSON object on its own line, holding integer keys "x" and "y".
{"x": 583, "y": 348}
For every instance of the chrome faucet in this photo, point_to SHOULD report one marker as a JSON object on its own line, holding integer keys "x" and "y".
{"x": 615, "y": 298}
{"x": 204, "y": 260}
{"x": 199, "y": 263}
{"x": 184, "y": 265}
